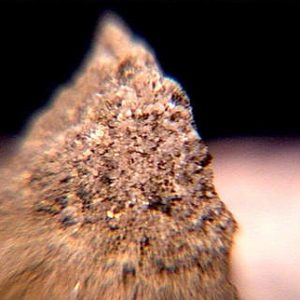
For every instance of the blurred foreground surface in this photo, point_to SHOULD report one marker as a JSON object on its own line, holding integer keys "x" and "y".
{"x": 259, "y": 180}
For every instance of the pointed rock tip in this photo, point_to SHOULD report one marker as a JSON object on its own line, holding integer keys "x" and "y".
{"x": 114, "y": 41}
{"x": 112, "y": 31}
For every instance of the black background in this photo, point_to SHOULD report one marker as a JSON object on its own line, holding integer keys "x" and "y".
{"x": 237, "y": 60}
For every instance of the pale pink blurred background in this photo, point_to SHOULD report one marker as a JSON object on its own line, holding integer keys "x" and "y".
{"x": 259, "y": 180}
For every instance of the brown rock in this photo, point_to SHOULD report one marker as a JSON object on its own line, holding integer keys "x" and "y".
{"x": 110, "y": 195}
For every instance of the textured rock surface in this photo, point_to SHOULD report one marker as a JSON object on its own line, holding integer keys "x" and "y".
{"x": 110, "y": 195}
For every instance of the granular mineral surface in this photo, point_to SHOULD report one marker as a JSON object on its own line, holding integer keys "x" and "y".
{"x": 110, "y": 194}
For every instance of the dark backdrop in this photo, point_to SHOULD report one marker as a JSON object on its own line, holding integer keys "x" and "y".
{"x": 237, "y": 60}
